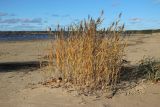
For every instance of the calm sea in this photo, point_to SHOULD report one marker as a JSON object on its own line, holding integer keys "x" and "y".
{"x": 24, "y": 37}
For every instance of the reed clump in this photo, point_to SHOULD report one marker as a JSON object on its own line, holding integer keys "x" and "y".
{"x": 87, "y": 55}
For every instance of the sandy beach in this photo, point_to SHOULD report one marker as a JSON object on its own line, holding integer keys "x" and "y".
{"x": 20, "y": 75}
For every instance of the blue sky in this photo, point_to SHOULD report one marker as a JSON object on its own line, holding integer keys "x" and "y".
{"x": 39, "y": 14}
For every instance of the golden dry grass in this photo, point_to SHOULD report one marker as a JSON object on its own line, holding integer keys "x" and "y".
{"x": 88, "y": 56}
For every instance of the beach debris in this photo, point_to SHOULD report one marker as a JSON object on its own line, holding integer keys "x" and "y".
{"x": 32, "y": 86}
{"x": 83, "y": 101}
{"x": 52, "y": 82}
{"x": 11, "y": 76}
{"x": 105, "y": 105}
{"x": 109, "y": 94}
{"x": 139, "y": 89}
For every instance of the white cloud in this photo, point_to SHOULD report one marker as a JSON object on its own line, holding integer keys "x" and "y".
{"x": 135, "y": 19}
{"x": 20, "y": 20}
{"x": 157, "y": 1}
{"x": 6, "y": 14}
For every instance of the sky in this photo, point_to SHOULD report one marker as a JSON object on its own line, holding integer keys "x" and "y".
{"x": 38, "y": 15}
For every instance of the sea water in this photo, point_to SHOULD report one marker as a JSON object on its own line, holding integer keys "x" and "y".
{"x": 25, "y": 37}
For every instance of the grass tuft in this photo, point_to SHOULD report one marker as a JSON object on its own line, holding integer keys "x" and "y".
{"x": 151, "y": 68}
{"x": 87, "y": 55}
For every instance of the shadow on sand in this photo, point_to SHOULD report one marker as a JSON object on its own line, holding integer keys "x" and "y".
{"x": 128, "y": 73}
{"x": 20, "y": 66}
{"x": 130, "y": 77}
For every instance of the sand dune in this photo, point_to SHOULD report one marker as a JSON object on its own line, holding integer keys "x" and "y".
{"x": 20, "y": 74}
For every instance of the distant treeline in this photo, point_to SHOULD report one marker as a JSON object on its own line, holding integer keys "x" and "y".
{"x": 46, "y": 32}
{"x": 143, "y": 31}
{"x": 22, "y": 32}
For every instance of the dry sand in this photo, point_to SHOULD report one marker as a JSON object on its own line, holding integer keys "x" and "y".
{"x": 18, "y": 79}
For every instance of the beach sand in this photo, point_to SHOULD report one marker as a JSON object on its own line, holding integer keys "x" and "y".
{"x": 20, "y": 75}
